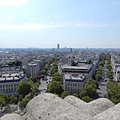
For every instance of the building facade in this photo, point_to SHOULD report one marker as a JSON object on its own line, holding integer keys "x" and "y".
{"x": 9, "y": 83}
{"x": 86, "y": 70}
{"x": 73, "y": 83}
{"x": 33, "y": 69}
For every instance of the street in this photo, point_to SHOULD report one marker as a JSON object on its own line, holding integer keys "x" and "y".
{"x": 102, "y": 91}
{"x": 44, "y": 83}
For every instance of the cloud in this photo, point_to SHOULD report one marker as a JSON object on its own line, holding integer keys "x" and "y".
{"x": 4, "y": 3}
{"x": 38, "y": 26}
{"x": 23, "y": 27}
{"x": 92, "y": 24}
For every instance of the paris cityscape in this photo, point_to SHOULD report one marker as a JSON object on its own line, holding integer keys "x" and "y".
{"x": 59, "y": 60}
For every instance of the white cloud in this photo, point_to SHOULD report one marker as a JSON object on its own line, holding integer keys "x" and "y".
{"x": 33, "y": 26}
{"x": 92, "y": 24}
{"x": 12, "y": 2}
{"x": 22, "y": 27}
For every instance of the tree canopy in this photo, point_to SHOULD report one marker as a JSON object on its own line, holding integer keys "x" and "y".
{"x": 89, "y": 89}
{"x": 55, "y": 87}
{"x": 24, "y": 88}
{"x": 56, "y": 76}
{"x": 113, "y": 92}
{"x": 3, "y": 101}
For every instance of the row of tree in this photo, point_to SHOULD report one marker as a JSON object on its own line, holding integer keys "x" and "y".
{"x": 100, "y": 68}
{"x": 113, "y": 92}
{"x": 89, "y": 91}
{"x": 53, "y": 62}
{"x": 55, "y": 86}
{"x": 15, "y": 63}
{"x": 109, "y": 73}
{"x": 54, "y": 68}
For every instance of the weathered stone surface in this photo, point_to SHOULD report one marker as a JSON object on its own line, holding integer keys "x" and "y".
{"x": 75, "y": 101}
{"x": 11, "y": 117}
{"x": 112, "y": 113}
{"x": 48, "y": 107}
{"x": 92, "y": 108}
{"x": 97, "y": 106}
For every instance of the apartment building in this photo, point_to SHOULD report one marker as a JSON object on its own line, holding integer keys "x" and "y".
{"x": 86, "y": 69}
{"x": 73, "y": 83}
{"x": 9, "y": 82}
{"x": 33, "y": 69}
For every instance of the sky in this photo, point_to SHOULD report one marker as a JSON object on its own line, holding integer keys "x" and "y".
{"x": 70, "y": 23}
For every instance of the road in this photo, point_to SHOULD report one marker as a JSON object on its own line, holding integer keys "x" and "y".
{"x": 43, "y": 86}
{"x": 102, "y": 91}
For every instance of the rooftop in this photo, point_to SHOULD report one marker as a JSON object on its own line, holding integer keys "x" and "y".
{"x": 11, "y": 77}
{"x": 69, "y": 77}
{"x": 86, "y": 66}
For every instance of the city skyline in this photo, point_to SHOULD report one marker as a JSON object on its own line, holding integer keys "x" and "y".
{"x": 72, "y": 24}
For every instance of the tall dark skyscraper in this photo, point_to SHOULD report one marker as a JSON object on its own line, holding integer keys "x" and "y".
{"x": 58, "y": 46}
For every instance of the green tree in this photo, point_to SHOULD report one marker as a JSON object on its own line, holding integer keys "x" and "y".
{"x": 13, "y": 99}
{"x": 33, "y": 78}
{"x": 55, "y": 87}
{"x": 90, "y": 89}
{"x": 76, "y": 95}
{"x": 3, "y": 101}
{"x": 113, "y": 92}
{"x": 43, "y": 72}
{"x": 98, "y": 77}
{"x": 24, "y": 88}
{"x": 18, "y": 63}
{"x": 25, "y": 101}
{"x": 20, "y": 98}
{"x": 46, "y": 67}
{"x": 56, "y": 76}
{"x": 109, "y": 74}
{"x": 53, "y": 70}
{"x": 64, "y": 94}
{"x": 34, "y": 87}
{"x": 87, "y": 99}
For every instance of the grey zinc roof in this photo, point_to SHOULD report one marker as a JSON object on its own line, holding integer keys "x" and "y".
{"x": 48, "y": 106}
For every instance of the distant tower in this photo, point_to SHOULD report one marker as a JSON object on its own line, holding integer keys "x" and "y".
{"x": 58, "y": 46}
